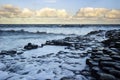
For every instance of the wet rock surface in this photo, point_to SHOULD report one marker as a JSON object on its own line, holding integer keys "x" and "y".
{"x": 102, "y": 62}
{"x": 100, "y": 50}
{"x": 30, "y": 46}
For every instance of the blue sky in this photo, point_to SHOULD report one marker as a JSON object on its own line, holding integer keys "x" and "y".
{"x": 69, "y": 5}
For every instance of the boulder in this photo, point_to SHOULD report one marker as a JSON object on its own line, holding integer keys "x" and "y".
{"x": 30, "y": 46}
{"x": 58, "y": 42}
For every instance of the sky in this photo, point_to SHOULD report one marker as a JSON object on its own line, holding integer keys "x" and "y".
{"x": 97, "y": 11}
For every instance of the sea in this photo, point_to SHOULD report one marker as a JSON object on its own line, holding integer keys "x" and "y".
{"x": 17, "y": 35}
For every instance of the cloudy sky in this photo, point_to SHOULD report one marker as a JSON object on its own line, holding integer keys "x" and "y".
{"x": 59, "y": 11}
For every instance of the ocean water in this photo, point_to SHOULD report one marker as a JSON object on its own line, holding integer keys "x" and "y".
{"x": 16, "y": 36}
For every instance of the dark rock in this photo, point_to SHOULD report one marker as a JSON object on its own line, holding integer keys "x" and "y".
{"x": 115, "y": 72}
{"x": 10, "y": 52}
{"x": 91, "y": 63}
{"x": 100, "y": 52}
{"x": 34, "y": 57}
{"x": 113, "y": 34}
{"x": 85, "y": 72}
{"x": 23, "y": 57}
{"x": 30, "y": 46}
{"x": 67, "y": 78}
{"x": 25, "y": 73}
{"x": 89, "y": 51}
{"x": 104, "y": 76}
{"x": 95, "y": 32}
{"x": 83, "y": 55}
{"x": 115, "y": 57}
{"x": 114, "y": 53}
{"x": 113, "y": 38}
{"x": 96, "y": 56}
{"x": 39, "y": 71}
{"x": 94, "y": 71}
{"x": 94, "y": 50}
{"x": 107, "y": 69}
{"x": 107, "y": 51}
{"x": 117, "y": 67}
{"x": 39, "y": 57}
{"x": 115, "y": 50}
{"x": 106, "y": 59}
{"x": 3, "y": 52}
{"x": 87, "y": 61}
{"x": 104, "y": 63}
{"x": 58, "y": 42}
{"x": 117, "y": 44}
{"x": 96, "y": 59}
{"x": 47, "y": 79}
{"x": 107, "y": 64}
{"x": 77, "y": 46}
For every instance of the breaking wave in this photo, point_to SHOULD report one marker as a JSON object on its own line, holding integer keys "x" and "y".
{"x": 56, "y": 29}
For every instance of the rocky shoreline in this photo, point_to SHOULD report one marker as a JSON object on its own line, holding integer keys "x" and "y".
{"x": 104, "y": 64}
{"x": 104, "y": 61}
{"x": 101, "y": 50}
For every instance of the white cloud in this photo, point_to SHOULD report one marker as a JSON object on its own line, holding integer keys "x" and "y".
{"x": 103, "y": 15}
{"x": 9, "y": 11}
{"x": 46, "y": 12}
{"x": 113, "y": 14}
{"x": 12, "y": 11}
{"x": 27, "y": 13}
{"x": 51, "y": 12}
{"x": 91, "y": 12}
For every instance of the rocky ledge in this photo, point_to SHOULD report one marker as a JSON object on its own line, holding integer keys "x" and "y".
{"x": 103, "y": 62}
